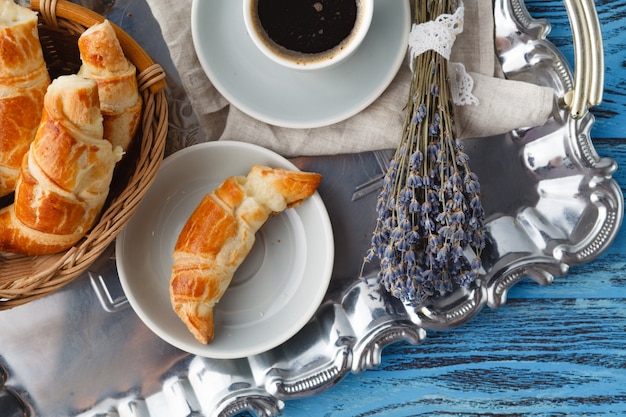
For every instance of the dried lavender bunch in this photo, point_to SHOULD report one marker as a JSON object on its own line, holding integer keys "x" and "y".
{"x": 429, "y": 232}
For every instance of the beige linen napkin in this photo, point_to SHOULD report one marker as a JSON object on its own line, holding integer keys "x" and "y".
{"x": 504, "y": 104}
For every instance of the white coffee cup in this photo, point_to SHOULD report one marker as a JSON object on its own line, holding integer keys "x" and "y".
{"x": 328, "y": 32}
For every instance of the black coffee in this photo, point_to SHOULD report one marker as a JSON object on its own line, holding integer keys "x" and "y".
{"x": 308, "y": 26}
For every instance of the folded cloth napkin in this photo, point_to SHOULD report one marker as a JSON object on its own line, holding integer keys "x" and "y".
{"x": 504, "y": 105}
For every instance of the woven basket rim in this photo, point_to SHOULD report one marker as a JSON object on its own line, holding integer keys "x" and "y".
{"x": 23, "y": 278}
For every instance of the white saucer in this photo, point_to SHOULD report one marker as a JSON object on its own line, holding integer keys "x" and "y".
{"x": 292, "y": 98}
{"x": 274, "y": 292}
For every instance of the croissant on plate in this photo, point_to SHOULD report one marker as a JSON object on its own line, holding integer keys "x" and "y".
{"x": 65, "y": 176}
{"x": 219, "y": 235}
{"x": 103, "y": 60}
{"x": 23, "y": 83}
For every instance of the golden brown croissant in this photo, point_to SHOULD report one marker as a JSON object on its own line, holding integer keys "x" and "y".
{"x": 65, "y": 176}
{"x": 219, "y": 235}
{"x": 23, "y": 82}
{"x": 104, "y": 61}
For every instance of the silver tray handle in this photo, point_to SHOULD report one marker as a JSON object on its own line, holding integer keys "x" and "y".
{"x": 588, "y": 56}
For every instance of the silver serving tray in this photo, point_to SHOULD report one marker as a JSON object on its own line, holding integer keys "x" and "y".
{"x": 551, "y": 203}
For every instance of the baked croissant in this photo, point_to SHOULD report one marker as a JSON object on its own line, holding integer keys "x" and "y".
{"x": 23, "y": 82}
{"x": 65, "y": 175}
{"x": 120, "y": 103}
{"x": 219, "y": 235}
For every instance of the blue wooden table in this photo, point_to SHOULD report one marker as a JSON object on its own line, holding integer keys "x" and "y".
{"x": 550, "y": 351}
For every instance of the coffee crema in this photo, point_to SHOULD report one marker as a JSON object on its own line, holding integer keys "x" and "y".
{"x": 308, "y": 26}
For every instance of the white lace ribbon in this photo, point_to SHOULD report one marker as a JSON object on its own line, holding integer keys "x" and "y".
{"x": 439, "y": 35}
{"x": 461, "y": 85}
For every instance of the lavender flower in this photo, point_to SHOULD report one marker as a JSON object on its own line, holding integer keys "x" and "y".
{"x": 429, "y": 211}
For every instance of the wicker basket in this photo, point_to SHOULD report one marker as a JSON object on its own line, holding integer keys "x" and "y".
{"x": 22, "y": 278}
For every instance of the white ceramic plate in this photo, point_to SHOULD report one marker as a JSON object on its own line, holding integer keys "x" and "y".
{"x": 289, "y": 97}
{"x": 276, "y": 290}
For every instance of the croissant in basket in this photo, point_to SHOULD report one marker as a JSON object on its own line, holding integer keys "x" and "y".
{"x": 104, "y": 61}
{"x": 65, "y": 176}
{"x": 220, "y": 233}
{"x": 23, "y": 83}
